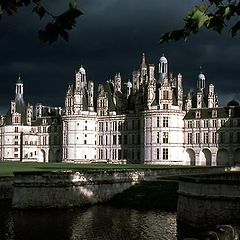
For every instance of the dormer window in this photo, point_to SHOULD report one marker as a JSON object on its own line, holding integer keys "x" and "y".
{"x": 197, "y": 114}
{"x": 214, "y": 113}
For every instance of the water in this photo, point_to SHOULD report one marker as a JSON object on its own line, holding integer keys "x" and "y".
{"x": 102, "y": 222}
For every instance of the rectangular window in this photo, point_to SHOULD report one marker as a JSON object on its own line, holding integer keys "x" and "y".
{"x": 158, "y": 153}
{"x": 119, "y": 154}
{"x": 221, "y": 137}
{"x": 114, "y": 139}
{"x": 205, "y": 137}
{"x": 100, "y": 126}
{"x": 158, "y": 122}
{"x": 133, "y": 139}
{"x": 15, "y": 149}
{"x": 190, "y": 124}
{"x": 16, "y": 129}
{"x": 205, "y": 123}
{"x": 133, "y": 124}
{"x": 165, "y": 137}
{"x": 165, "y": 95}
{"x": 119, "y": 139}
{"x": 158, "y": 137}
{"x": 106, "y": 126}
{"x": 197, "y": 138}
{"x": 189, "y": 138}
{"x": 214, "y": 123}
{"x": 197, "y": 124}
{"x": 238, "y": 137}
{"x": 165, "y": 121}
{"x": 106, "y": 140}
{"x": 165, "y": 106}
{"x": 222, "y": 123}
{"x": 100, "y": 138}
{"x": 119, "y": 126}
{"x": 214, "y": 137}
{"x": 138, "y": 139}
{"x": 165, "y": 153}
{"x": 125, "y": 139}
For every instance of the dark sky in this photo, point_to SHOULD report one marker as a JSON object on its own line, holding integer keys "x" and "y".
{"x": 110, "y": 37}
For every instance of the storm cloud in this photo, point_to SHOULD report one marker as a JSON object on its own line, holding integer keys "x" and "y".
{"x": 110, "y": 37}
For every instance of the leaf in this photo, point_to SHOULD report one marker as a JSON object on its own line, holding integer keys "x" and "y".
{"x": 40, "y": 10}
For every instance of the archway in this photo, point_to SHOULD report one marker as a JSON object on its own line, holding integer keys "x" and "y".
{"x": 190, "y": 157}
{"x": 42, "y": 156}
{"x": 222, "y": 157}
{"x": 206, "y": 157}
{"x": 236, "y": 157}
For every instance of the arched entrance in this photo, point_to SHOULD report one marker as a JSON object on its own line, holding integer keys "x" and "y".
{"x": 42, "y": 156}
{"x": 206, "y": 157}
{"x": 236, "y": 157}
{"x": 190, "y": 157}
{"x": 222, "y": 157}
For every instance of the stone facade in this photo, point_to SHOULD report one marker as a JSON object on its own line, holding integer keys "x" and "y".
{"x": 147, "y": 119}
{"x": 28, "y": 134}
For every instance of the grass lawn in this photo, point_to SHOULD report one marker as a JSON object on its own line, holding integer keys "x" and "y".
{"x": 7, "y": 168}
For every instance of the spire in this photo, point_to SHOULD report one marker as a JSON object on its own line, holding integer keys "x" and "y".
{"x": 19, "y": 80}
{"x": 143, "y": 64}
{"x": 201, "y": 80}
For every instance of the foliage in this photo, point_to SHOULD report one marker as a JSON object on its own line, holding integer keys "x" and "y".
{"x": 59, "y": 25}
{"x": 215, "y": 15}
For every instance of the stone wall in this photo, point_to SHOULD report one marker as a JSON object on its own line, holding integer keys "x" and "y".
{"x": 6, "y": 189}
{"x": 69, "y": 188}
{"x": 209, "y": 200}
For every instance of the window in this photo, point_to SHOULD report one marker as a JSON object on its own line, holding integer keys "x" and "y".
{"x": 133, "y": 124}
{"x": 16, "y": 129}
{"x": 158, "y": 137}
{"x": 205, "y": 123}
{"x": 114, "y": 139}
{"x": 222, "y": 123}
{"x": 165, "y": 95}
{"x": 106, "y": 126}
{"x": 100, "y": 138}
{"x": 214, "y": 123}
{"x": 138, "y": 139}
{"x": 238, "y": 137}
{"x": 85, "y": 127}
{"x": 16, "y": 137}
{"x": 125, "y": 153}
{"x": 15, "y": 149}
{"x": 165, "y": 137}
{"x": 114, "y": 126}
{"x": 16, "y": 155}
{"x": 85, "y": 141}
{"x": 119, "y": 154}
{"x": 165, "y": 106}
{"x": 165, "y": 153}
{"x": 16, "y": 142}
{"x": 119, "y": 126}
{"x": 190, "y": 124}
{"x": 100, "y": 126}
{"x": 165, "y": 121}
{"x": 189, "y": 138}
{"x": 221, "y": 137}
{"x": 125, "y": 140}
{"x": 119, "y": 139}
{"x": 125, "y": 125}
{"x": 230, "y": 137}
{"x": 158, "y": 122}
{"x": 205, "y": 137}
{"x": 197, "y": 137}
{"x": 133, "y": 139}
{"x": 106, "y": 140}
{"x": 158, "y": 154}
{"x": 214, "y": 137}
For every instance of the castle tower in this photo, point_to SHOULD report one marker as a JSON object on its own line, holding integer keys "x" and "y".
{"x": 81, "y": 78}
{"x": 180, "y": 91}
{"x": 212, "y": 97}
{"x": 200, "y": 89}
{"x": 163, "y": 68}
{"x": 90, "y": 96}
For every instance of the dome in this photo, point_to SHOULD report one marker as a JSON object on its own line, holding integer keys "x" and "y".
{"x": 233, "y": 103}
{"x": 163, "y": 59}
{"x": 201, "y": 76}
{"x": 82, "y": 70}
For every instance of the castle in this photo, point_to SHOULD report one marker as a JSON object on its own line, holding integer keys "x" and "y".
{"x": 146, "y": 120}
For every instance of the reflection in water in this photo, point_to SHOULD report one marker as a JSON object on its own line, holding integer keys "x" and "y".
{"x": 102, "y": 222}
{"x": 96, "y": 222}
